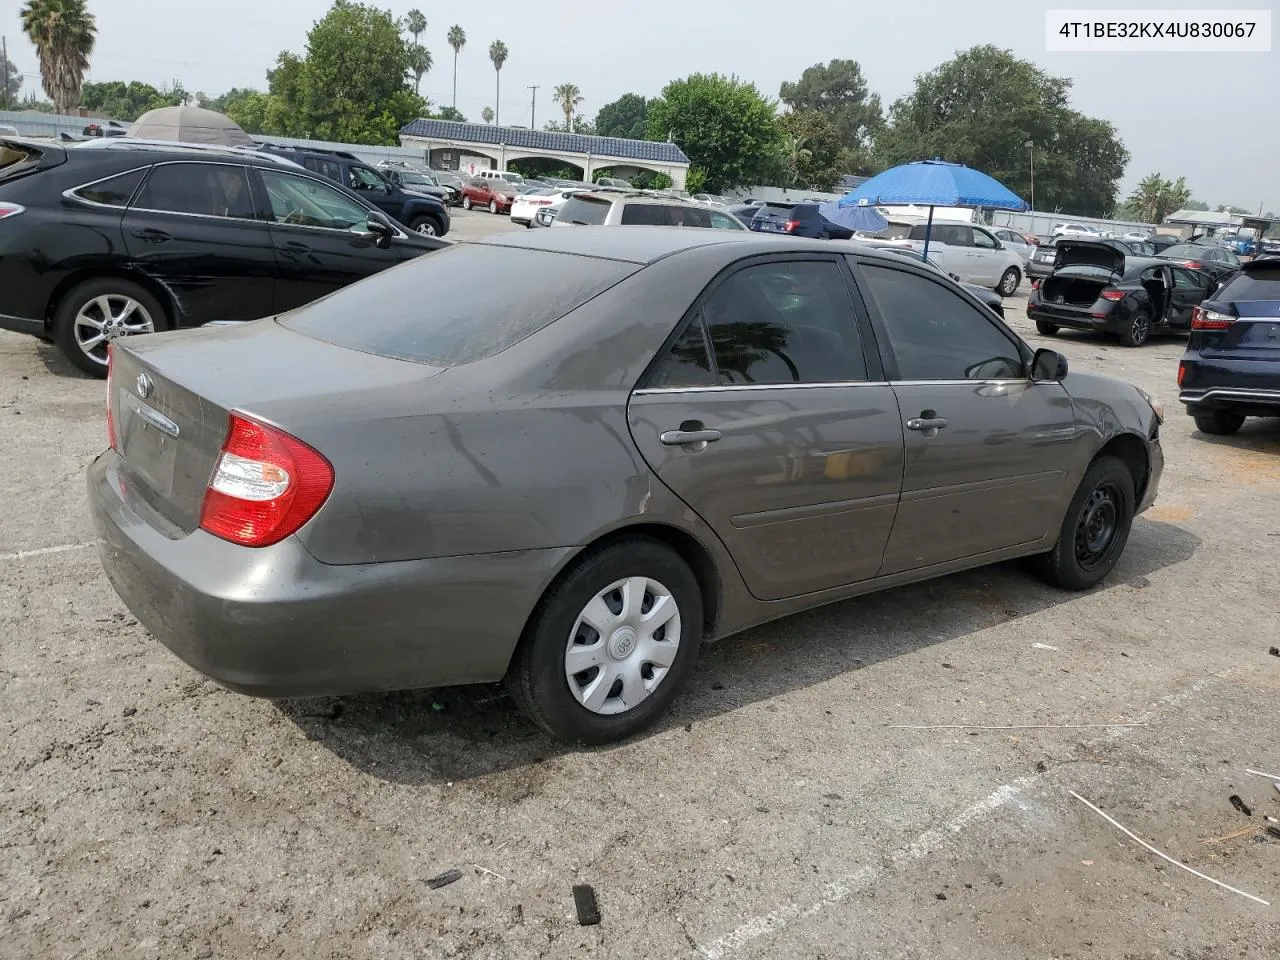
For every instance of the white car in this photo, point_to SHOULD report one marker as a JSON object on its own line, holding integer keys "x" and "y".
{"x": 1015, "y": 241}
{"x": 1080, "y": 230}
{"x": 1135, "y": 235}
{"x": 526, "y": 206}
{"x": 971, "y": 252}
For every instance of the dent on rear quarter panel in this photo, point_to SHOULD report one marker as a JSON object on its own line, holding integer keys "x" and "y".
{"x": 526, "y": 450}
{"x": 1105, "y": 408}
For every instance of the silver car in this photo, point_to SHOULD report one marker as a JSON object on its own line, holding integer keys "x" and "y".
{"x": 637, "y": 208}
{"x": 670, "y": 436}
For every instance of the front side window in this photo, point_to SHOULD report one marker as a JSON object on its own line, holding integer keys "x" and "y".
{"x": 785, "y": 322}
{"x": 115, "y": 192}
{"x": 983, "y": 240}
{"x": 304, "y": 202}
{"x": 362, "y": 178}
{"x": 722, "y": 221}
{"x": 204, "y": 189}
{"x": 936, "y": 334}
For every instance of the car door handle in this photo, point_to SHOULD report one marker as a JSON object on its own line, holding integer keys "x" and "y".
{"x": 678, "y": 438}
{"x": 925, "y": 424}
{"x": 151, "y": 234}
{"x": 293, "y": 246}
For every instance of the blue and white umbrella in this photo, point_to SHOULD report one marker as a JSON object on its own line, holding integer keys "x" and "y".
{"x": 861, "y": 216}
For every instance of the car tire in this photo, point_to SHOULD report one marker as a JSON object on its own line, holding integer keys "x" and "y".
{"x": 493, "y": 206}
{"x": 83, "y": 306}
{"x": 1220, "y": 423}
{"x": 1046, "y": 329}
{"x": 1009, "y": 282}
{"x": 1095, "y": 529}
{"x": 1139, "y": 329}
{"x": 426, "y": 225}
{"x": 540, "y": 670}
{"x": 466, "y": 203}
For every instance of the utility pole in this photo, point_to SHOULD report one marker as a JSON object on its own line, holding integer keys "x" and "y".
{"x": 533, "y": 103}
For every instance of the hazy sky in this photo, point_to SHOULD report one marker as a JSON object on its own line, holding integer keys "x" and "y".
{"x": 1209, "y": 117}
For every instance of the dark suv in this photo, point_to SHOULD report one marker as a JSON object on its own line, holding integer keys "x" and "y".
{"x": 1231, "y": 369}
{"x": 798, "y": 220}
{"x": 108, "y": 238}
{"x": 422, "y": 212}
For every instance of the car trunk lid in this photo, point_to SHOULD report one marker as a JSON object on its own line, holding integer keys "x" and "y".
{"x": 1087, "y": 253}
{"x": 172, "y": 394}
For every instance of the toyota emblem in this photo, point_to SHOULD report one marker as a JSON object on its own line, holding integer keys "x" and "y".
{"x": 143, "y": 383}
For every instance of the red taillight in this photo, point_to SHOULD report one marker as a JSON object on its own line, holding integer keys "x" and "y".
{"x": 1112, "y": 295}
{"x": 10, "y": 210}
{"x": 111, "y": 421}
{"x": 791, "y": 226}
{"x": 265, "y": 486}
{"x": 1202, "y": 319}
{"x": 1192, "y": 264}
{"x": 1182, "y": 369}
{"x": 1035, "y": 284}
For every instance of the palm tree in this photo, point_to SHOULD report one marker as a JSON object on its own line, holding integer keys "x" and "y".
{"x": 457, "y": 40}
{"x": 415, "y": 23}
{"x": 569, "y": 97}
{"x": 498, "y": 53}
{"x": 63, "y": 33}
{"x": 419, "y": 63}
{"x": 795, "y": 154}
{"x": 487, "y": 114}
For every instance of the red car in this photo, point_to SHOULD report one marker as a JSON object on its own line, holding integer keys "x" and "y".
{"x": 497, "y": 195}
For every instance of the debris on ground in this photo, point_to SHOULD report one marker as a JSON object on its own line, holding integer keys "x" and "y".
{"x": 1242, "y": 832}
{"x": 584, "y": 899}
{"x": 1274, "y": 831}
{"x": 1164, "y": 856}
{"x": 1274, "y": 651}
{"x": 128, "y": 711}
{"x": 1240, "y": 805}
{"x": 444, "y": 879}
{"x": 489, "y": 873}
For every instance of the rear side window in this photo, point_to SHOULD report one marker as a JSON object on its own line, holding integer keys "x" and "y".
{"x": 586, "y": 211}
{"x": 688, "y": 363}
{"x": 467, "y": 317}
{"x": 326, "y": 168}
{"x": 210, "y": 190}
{"x": 16, "y": 157}
{"x": 953, "y": 235}
{"x": 645, "y": 214}
{"x": 115, "y": 192}
{"x": 1260, "y": 283}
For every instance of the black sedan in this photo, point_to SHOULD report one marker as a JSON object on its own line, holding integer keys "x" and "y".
{"x": 98, "y": 244}
{"x": 1231, "y": 369}
{"x": 1214, "y": 260}
{"x": 1095, "y": 286}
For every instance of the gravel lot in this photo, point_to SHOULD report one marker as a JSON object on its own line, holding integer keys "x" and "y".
{"x": 145, "y": 812}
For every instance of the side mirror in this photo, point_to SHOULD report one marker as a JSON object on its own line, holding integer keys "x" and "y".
{"x": 376, "y": 228}
{"x": 1048, "y": 365}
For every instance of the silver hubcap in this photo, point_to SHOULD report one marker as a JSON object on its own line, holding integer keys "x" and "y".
{"x": 493, "y": 206}
{"x": 426, "y": 229}
{"x": 622, "y": 645}
{"x": 1010, "y": 282}
{"x": 107, "y": 318}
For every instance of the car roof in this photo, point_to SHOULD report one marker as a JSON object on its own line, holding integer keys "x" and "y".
{"x": 637, "y": 196}
{"x": 646, "y": 244}
{"x": 175, "y": 149}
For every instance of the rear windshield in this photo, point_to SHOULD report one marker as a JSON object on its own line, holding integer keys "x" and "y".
{"x": 1260, "y": 283}
{"x": 468, "y": 313}
{"x": 588, "y": 211}
{"x": 16, "y": 157}
{"x": 1187, "y": 250}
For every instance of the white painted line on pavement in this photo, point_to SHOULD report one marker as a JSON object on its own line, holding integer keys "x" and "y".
{"x": 45, "y": 551}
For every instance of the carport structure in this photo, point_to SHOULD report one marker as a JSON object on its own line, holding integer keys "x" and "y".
{"x": 501, "y": 145}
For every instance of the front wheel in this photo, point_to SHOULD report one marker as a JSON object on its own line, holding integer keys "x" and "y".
{"x": 1135, "y": 335}
{"x": 1220, "y": 423}
{"x": 1095, "y": 529}
{"x": 96, "y": 312}
{"x": 611, "y": 643}
{"x": 427, "y": 226}
{"x": 466, "y": 203}
{"x": 493, "y": 206}
{"x": 1046, "y": 328}
{"x": 1009, "y": 282}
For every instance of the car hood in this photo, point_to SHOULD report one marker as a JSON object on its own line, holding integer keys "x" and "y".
{"x": 420, "y": 193}
{"x": 1088, "y": 253}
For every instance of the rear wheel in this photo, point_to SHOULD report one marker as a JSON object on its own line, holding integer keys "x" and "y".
{"x": 96, "y": 312}
{"x": 1046, "y": 328}
{"x": 1138, "y": 330}
{"x": 1009, "y": 282}
{"x": 1095, "y": 529}
{"x": 1220, "y": 423}
{"x": 611, "y": 643}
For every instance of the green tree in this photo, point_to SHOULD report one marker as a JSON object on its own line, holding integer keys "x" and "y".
{"x": 838, "y": 91}
{"x": 498, "y": 53}
{"x": 63, "y": 33}
{"x": 420, "y": 61}
{"x": 825, "y": 157}
{"x": 351, "y": 86}
{"x": 1195, "y": 205}
{"x": 624, "y": 117}
{"x": 451, "y": 113}
{"x": 120, "y": 101}
{"x": 726, "y": 127}
{"x": 415, "y": 23}
{"x": 570, "y": 98}
{"x": 1154, "y": 198}
{"x": 984, "y": 106}
{"x": 10, "y": 83}
{"x": 457, "y": 40}
{"x": 487, "y": 114}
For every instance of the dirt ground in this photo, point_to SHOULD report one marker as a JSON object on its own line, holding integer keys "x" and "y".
{"x": 782, "y": 811}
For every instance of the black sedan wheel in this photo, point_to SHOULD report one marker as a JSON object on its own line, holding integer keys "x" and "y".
{"x": 1046, "y": 328}
{"x": 1138, "y": 331}
{"x": 611, "y": 643}
{"x": 1095, "y": 529}
{"x": 1009, "y": 282}
{"x": 1221, "y": 423}
{"x": 96, "y": 312}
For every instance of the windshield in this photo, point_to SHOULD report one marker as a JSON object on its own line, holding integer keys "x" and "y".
{"x": 1183, "y": 251}
{"x": 468, "y": 317}
{"x": 414, "y": 177}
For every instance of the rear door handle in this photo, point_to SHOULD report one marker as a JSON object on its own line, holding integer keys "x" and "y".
{"x": 151, "y": 234}
{"x": 293, "y": 246}
{"x": 927, "y": 424}
{"x": 678, "y": 438}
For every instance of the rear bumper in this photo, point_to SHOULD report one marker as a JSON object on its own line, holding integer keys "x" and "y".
{"x": 1251, "y": 387}
{"x": 1073, "y": 318}
{"x": 275, "y": 622}
{"x": 1250, "y": 402}
{"x": 1038, "y": 271}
